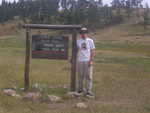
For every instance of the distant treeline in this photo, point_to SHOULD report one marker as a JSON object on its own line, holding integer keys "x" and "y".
{"x": 87, "y": 12}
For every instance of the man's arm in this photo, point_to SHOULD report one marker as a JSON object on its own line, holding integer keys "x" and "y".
{"x": 92, "y": 51}
{"x": 92, "y": 56}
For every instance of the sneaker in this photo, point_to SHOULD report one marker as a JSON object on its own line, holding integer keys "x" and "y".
{"x": 79, "y": 92}
{"x": 90, "y": 95}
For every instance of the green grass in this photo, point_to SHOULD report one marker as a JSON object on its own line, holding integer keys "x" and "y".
{"x": 137, "y": 62}
{"x": 12, "y": 41}
{"x": 121, "y": 79}
{"x": 126, "y": 47}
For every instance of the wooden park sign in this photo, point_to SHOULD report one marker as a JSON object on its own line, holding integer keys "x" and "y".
{"x": 50, "y": 47}
{"x": 56, "y": 47}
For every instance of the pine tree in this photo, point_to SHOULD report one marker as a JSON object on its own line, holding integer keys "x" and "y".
{"x": 146, "y": 16}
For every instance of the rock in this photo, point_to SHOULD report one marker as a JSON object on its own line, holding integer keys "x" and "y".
{"x": 17, "y": 95}
{"x": 81, "y": 105}
{"x": 74, "y": 94}
{"x": 32, "y": 96}
{"x": 66, "y": 86}
{"x": 9, "y": 92}
{"x": 22, "y": 89}
{"x": 36, "y": 86}
{"x": 54, "y": 98}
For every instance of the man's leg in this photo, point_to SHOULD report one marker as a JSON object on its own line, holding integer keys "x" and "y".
{"x": 80, "y": 76}
{"x": 89, "y": 78}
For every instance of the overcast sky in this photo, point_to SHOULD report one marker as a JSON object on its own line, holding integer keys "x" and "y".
{"x": 105, "y": 1}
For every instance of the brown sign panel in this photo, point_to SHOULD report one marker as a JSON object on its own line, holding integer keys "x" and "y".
{"x": 50, "y": 47}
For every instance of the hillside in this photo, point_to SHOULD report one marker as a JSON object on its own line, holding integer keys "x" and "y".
{"x": 10, "y": 28}
{"x": 121, "y": 74}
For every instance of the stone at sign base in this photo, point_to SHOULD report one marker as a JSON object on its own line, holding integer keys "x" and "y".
{"x": 17, "y": 95}
{"x": 74, "y": 94}
{"x": 32, "y": 96}
{"x": 9, "y": 92}
{"x": 81, "y": 105}
{"x": 53, "y": 98}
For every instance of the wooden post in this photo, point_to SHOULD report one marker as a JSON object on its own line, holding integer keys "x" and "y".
{"x": 73, "y": 62}
{"x": 27, "y": 60}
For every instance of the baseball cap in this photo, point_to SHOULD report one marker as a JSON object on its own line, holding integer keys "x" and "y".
{"x": 83, "y": 30}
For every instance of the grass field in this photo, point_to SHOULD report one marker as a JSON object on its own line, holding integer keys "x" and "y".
{"x": 121, "y": 74}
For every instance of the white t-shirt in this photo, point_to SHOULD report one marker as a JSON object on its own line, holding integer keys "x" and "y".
{"x": 84, "y": 49}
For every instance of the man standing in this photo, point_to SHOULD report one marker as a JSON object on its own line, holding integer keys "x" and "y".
{"x": 86, "y": 53}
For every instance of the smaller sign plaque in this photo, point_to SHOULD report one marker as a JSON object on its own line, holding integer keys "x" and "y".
{"x": 50, "y": 47}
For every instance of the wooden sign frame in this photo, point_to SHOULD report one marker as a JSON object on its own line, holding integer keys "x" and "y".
{"x": 72, "y": 28}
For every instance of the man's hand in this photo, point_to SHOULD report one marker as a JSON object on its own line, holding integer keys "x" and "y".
{"x": 92, "y": 57}
{"x": 90, "y": 63}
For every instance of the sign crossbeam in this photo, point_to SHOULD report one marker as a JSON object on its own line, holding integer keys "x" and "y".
{"x": 55, "y": 27}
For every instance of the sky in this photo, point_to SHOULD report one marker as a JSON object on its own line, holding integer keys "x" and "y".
{"x": 104, "y": 1}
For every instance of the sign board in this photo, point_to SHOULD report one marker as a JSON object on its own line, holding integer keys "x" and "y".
{"x": 50, "y": 47}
